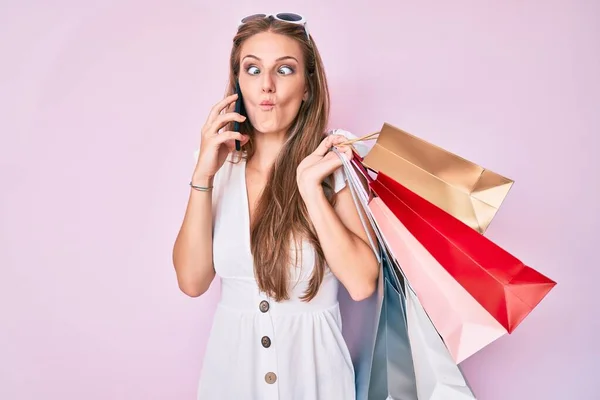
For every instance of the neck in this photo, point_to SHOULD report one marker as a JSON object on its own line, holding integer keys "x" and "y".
{"x": 266, "y": 149}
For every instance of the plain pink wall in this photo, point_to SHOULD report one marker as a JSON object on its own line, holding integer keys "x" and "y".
{"x": 100, "y": 111}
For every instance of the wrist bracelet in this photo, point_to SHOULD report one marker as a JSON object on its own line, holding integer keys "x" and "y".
{"x": 201, "y": 188}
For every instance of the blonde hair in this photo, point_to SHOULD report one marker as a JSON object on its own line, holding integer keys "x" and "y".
{"x": 281, "y": 217}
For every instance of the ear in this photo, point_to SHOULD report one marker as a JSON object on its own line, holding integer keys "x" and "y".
{"x": 305, "y": 96}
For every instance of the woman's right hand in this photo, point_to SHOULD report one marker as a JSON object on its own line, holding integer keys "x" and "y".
{"x": 215, "y": 145}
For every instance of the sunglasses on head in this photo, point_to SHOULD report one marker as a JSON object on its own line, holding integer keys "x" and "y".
{"x": 291, "y": 18}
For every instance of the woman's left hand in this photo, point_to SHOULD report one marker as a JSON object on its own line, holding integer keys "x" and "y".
{"x": 321, "y": 163}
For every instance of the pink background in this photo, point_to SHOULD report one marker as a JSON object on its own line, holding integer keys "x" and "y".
{"x": 100, "y": 110}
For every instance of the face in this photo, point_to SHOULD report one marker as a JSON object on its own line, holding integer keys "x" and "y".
{"x": 272, "y": 81}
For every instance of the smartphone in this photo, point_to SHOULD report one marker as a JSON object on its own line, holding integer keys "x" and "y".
{"x": 240, "y": 109}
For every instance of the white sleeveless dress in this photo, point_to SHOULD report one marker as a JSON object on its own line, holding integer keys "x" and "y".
{"x": 259, "y": 349}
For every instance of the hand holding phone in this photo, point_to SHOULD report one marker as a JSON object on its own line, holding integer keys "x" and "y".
{"x": 215, "y": 145}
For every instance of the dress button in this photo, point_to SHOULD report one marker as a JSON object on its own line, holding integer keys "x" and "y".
{"x": 270, "y": 378}
{"x": 264, "y": 306}
{"x": 266, "y": 341}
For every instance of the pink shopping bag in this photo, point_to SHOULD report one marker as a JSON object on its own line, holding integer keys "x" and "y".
{"x": 464, "y": 325}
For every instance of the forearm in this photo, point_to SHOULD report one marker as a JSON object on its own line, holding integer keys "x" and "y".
{"x": 193, "y": 248}
{"x": 348, "y": 256}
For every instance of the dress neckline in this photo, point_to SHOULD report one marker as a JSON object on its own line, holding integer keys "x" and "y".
{"x": 245, "y": 205}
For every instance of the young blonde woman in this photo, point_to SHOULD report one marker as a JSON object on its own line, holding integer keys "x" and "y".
{"x": 276, "y": 222}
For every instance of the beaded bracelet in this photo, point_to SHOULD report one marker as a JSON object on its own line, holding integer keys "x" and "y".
{"x": 201, "y": 188}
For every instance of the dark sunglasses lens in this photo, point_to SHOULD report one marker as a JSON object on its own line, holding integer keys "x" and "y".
{"x": 291, "y": 17}
{"x": 253, "y": 16}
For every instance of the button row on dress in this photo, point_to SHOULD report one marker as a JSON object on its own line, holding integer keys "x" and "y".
{"x": 264, "y": 307}
{"x": 270, "y": 377}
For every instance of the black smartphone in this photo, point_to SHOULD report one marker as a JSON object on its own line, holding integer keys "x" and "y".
{"x": 240, "y": 109}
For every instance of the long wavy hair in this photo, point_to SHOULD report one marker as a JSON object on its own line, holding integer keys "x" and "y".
{"x": 281, "y": 218}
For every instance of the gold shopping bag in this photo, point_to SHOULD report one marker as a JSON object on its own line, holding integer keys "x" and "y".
{"x": 460, "y": 187}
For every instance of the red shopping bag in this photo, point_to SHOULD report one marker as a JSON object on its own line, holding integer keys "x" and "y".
{"x": 502, "y": 284}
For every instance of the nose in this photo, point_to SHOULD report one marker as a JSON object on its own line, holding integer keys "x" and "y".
{"x": 268, "y": 84}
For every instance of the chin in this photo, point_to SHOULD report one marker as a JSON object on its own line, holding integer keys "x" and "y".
{"x": 266, "y": 127}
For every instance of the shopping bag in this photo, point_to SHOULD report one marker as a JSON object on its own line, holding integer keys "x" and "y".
{"x": 508, "y": 289}
{"x": 465, "y": 326}
{"x": 436, "y": 376}
{"x": 463, "y": 189}
{"x": 392, "y": 374}
{"x": 384, "y": 368}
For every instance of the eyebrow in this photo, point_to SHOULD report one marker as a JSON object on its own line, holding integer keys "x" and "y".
{"x": 279, "y": 59}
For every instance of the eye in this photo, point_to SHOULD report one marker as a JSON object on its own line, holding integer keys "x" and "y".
{"x": 252, "y": 70}
{"x": 285, "y": 70}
